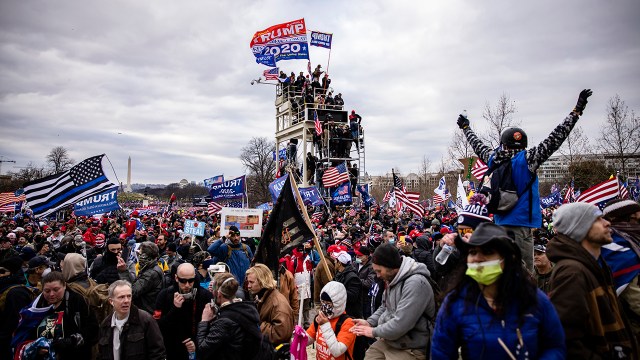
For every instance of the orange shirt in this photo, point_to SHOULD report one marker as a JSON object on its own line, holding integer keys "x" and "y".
{"x": 345, "y": 336}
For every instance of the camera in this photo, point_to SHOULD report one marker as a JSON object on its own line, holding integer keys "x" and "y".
{"x": 217, "y": 268}
{"x": 190, "y": 295}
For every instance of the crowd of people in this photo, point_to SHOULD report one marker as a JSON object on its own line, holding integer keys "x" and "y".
{"x": 373, "y": 283}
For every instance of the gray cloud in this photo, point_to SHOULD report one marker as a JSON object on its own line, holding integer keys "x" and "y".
{"x": 173, "y": 78}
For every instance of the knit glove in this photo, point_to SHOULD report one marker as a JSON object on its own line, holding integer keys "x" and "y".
{"x": 463, "y": 122}
{"x": 582, "y": 101}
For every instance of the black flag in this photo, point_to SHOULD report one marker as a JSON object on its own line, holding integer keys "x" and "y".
{"x": 285, "y": 229}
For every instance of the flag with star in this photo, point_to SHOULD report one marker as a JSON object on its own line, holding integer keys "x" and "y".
{"x": 49, "y": 194}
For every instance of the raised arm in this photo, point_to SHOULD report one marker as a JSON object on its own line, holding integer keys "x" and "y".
{"x": 481, "y": 149}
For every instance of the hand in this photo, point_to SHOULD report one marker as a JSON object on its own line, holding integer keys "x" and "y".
{"x": 322, "y": 318}
{"x": 582, "y": 101}
{"x": 122, "y": 265}
{"x": 362, "y": 330}
{"x": 449, "y": 239}
{"x": 207, "y": 313}
{"x": 178, "y": 300}
{"x": 190, "y": 345}
{"x": 463, "y": 122}
{"x": 362, "y": 322}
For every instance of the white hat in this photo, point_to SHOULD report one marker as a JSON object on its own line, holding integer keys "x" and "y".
{"x": 344, "y": 257}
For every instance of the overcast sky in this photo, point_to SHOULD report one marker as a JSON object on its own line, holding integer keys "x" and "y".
{"x": 168, "y": 82}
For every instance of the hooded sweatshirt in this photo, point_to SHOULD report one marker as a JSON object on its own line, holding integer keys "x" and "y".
{"x": 583, "y": 295}
{"x": 403, "y": 319}
{"x": 75, "y": 270}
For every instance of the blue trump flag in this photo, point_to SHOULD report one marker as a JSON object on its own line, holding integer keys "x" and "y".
{"x": 276, "y": 187}
{"x": 552, "y": 199}
{"x": 101, "y": 203}
{"x": 367, "y": 199}
{"x": 321, "y": 39}
{"x": 214, "y": 181}
{"x": 230, "y": 189}
{"x": 342, "y": 194}
{"x": 311, "y": 196}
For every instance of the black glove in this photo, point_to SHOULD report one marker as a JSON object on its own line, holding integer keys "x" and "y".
{"x": 463, "y": 122}
{"x": 582, "y": 101}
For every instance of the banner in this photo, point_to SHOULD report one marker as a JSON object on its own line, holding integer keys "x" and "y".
{"x": 551, "y": 200}
{"x": 276, "y": 187}
{"x": 193, "y": 227}
{"x": 213, "y": 181}
{"x": 367, "y": 199}
{"x": 286, "y": 41}
{"x": 342, "y": 194}
{"x": 230, "y": 189}
{"x": 321, "y": 39}
{"x": 248, "y": 221}
{"x": 282, "y": 154}
{"x": 311, "y": 196}
{"x": 265, "y": 206}
{"x": 98, "y": 204}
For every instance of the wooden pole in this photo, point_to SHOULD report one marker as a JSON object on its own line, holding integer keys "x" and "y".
{"x": 305, "y": 215}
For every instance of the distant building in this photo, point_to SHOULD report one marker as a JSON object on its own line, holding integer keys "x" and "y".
{"x": 556, "y": 168}
{"x": 183, "y": 183}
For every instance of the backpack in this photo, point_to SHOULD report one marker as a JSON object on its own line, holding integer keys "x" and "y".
{"x": 230, "y": 249}
{"x": 501, "y": 190}
{"x": 96, "y": 296}
{"x": 33, "y": 292}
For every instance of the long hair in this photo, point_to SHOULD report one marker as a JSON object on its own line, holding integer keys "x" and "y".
{"x": 515, "y": 286}
{"x": 263, "y": 276}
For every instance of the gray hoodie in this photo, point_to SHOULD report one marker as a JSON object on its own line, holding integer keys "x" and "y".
{"x": 408, "y": 303}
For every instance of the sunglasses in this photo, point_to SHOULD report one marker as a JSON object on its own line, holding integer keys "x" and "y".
{"x": 184, "y": 281}
{"x": 462, "y": 232}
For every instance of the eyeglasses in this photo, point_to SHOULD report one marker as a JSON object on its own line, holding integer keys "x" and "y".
{"x": 462, "y": 232}
{"x": 184, "y": 281}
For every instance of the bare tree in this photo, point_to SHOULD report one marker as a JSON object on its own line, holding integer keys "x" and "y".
{"x": 499, "y": 118}
{"x": 620, "y": 136}
{"x": 575, "y": 149}
{"x": 28, "y": 173}
{"x": 257, "y": 158}
{"x": 424, "y": 174}
{"x": 459, "y": 148}
{"x": 59, "y": 160}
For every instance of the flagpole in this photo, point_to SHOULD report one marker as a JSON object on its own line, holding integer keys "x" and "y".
{"x": 306, "y": 219}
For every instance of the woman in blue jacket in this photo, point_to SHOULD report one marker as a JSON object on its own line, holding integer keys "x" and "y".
{"x": 493, "y": 310}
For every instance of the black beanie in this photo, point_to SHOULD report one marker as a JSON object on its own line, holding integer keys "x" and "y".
{"x": 388, "y": 256}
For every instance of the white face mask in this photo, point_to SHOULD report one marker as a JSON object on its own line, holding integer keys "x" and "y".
{"x": 46, "y": 271}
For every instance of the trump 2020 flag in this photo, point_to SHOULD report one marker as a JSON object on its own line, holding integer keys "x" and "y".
{"x": 230, "y": 189}
{"x": 47, "y": 195}
{"x": 342, "y": 194}
{"x": 286, "y": 41}
{"x": 285, "y": 229}
{"x": 321, "y": 39}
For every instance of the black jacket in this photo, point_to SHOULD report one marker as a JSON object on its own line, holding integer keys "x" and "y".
{"x": 349, "y": 278}
{"x": 104, "y": 269}
{"x": 179, "y": 324}
{"x": 146, "y": 286}
{"x": 233, "y": 334}
{"x": 140, "y": 339}
{"x": 15, "y": 300}
{"x": 367, "y": 278}
{"x": 423, "y": 253}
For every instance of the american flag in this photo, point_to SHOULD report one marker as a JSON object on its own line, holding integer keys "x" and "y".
{"x": 9, "y": 197}
{"x": 10, "y": 207}
{"x": 386, "y": 197}
{"x": 271, "y": 74}
{"x": 213, "y": 208}
{"x": 604, "y": 191}
{"x": 352, "y": 212}
{"x": 569, "y": 196}
{"x": 317, "y": 123}
{"x": 624, "y": 192}
{"x": 478, "y": 169}
{"x": 335, "y": 175}
{"x": 438, "y": 198}
{"x": 317, "y": 214}
{"x": 47, "y": 195}
{"x": 407, "y": 198}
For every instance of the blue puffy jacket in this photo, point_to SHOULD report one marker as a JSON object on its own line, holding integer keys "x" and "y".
{"x": 476, "y": 329}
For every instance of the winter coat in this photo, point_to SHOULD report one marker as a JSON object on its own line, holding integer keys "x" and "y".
{"x": 16, "y": 298}
{"x": 233, "y": 334}
{"x": 104, "y": 269}
{"x": 276, "y": 316}
{"x": 367, "y": 278}
{"x": 146, "y": 286}
{"x": 524, "y": 165}
{"x": 239, "y": 261}
{"x": 408, "y": 303}
{"x": 140, "y": 338}
{"x": 423, "y": 252}
{"x": 582, "y": 293}
{"x": 290, "y": 291}
{"x": 178, "y": 324}
{"x": 349, "y": 278}
{"x": 476, "y": 328}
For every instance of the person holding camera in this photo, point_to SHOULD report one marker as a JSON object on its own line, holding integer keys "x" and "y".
{"x": 229, "y": 328}
{"x": 179, "y": 310}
